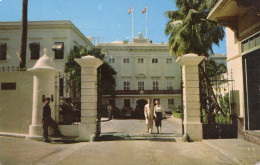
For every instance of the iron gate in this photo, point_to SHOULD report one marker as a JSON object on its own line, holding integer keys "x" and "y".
{"x": 217, "y": 115}
{"x": 67, "y": 107}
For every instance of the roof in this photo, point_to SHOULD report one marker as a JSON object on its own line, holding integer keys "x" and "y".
{"x": 45, "y": 24}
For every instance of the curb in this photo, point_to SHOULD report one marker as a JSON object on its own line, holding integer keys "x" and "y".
{"x": 230, "y": 156}
{"x": 13, "y": 135}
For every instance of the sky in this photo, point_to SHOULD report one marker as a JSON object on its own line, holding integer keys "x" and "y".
{"x": 100, "y": 18}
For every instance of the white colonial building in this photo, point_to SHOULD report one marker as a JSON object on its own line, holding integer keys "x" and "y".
{"x": 144, "y": 70}
{"x": 59, "y": 37}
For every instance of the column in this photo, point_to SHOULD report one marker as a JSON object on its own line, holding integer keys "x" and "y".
{"x": 44, "y": 72}
{"x": 88, "y": 125}
{"x": 191, "y": 98}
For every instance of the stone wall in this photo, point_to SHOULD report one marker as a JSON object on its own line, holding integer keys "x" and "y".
{"x": 16, "y": 105}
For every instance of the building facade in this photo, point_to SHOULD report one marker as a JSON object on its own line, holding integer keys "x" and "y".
{"x": 144, "y": 70}
{"x": 219, "y": 58}
{"x": 242, "y": 21}
{"x": 59, "y": 37}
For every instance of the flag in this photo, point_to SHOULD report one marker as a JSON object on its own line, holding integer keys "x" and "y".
{"x": 130, "y": 10}
{"x": 144, "y": 11}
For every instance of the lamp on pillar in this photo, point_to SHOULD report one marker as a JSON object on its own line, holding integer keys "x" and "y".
{"x": 44, "y": 72}
{"x": 88, "y": 125}
{"x": 191, "y": 98}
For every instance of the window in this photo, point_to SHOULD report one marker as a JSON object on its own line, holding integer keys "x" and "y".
{"x": 169, "y": 85}
{"x": 126, "y": 60}
{"x": 155, "y": 85}
{"x": 140, "y": 86}
{"x": 140, "y": 60}
{"x": 168, "y": 60}
{"x": 126, "y": 102}
{"x": 8, "y": 86}
{"x": 155, "y": 60}
{"x": 111, "y": 60}
{"x": 35, "y": 50}
{"x": 58, "y": 48}
{"x": 155, "y": 100}
{"x": 250, "y": 43}
{"x": 127, "y": 86}
{"x": 3, "y": 48}
{"x": 170, "y": 103}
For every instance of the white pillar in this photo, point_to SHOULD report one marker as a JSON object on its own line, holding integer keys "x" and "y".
{"x": 44, "y": 72}
{"x": 191, "y": 98}
{"x": 88, "y": 125}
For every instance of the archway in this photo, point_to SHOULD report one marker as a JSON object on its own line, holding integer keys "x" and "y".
{"x": 140, "y": 108}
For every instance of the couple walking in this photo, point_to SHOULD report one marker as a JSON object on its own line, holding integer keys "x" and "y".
{"x": 153, "y": 112}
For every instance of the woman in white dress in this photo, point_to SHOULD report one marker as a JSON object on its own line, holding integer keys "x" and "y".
{"x": 159, "y": 115}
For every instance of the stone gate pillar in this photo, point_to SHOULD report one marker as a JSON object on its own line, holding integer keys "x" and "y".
{"x": 191, "y": 98}
{"x": 88, "y": 125}
{"x": 44, "y": 72}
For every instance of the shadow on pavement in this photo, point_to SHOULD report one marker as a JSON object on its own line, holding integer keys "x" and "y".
{"x": 124, "y": 137}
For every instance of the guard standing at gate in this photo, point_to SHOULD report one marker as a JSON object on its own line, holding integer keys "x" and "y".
{"x": 48, "y": 121}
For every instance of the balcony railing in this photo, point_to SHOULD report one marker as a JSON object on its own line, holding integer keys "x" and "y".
{"x": 12, "y": 69}
{"x": 137, "y": 92}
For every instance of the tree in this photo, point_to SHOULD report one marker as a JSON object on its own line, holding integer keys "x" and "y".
{"x": 106, "y": 74}
{"x": 214, "y": 69}
{"x": 24, "y": 35}
{"x": 190, "y": 31}
{"x": 125, "y": 41}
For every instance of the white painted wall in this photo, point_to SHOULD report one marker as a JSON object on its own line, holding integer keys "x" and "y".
{"x": 161, "y": 72}
{"x": 44, "y": 32}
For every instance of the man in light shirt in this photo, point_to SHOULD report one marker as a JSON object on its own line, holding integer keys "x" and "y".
{"x": 148, "y": 113}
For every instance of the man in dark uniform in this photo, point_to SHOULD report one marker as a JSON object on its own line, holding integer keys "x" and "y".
{"x": 48, "y": 121}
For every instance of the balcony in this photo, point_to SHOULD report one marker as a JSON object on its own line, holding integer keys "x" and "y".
{"x": 147, "y": 92}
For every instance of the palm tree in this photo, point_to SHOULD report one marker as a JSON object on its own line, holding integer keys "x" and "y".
{"x": 190, "y": 31}
{"x": 24, "y": 35}
{"x": 214, "y": 69}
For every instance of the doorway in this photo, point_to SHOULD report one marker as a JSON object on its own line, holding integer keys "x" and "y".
{"x": 251, "y": 68}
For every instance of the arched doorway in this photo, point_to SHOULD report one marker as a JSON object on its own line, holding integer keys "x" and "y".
{"x": 140, "y": 108}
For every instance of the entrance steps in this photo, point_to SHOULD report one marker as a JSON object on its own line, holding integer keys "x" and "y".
{"x": 150, "y": 137}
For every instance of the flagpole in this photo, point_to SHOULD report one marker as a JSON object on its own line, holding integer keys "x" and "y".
{"x": 146, "y": 23}
{"x": 132, "y": 22}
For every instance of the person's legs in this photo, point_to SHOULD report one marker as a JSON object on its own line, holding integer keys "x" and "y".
{"x": 54, "y": 125}
{"x": 45, "y": 131}
{"x": 150, "y": 124}
{"x": 109, "y": 115}
{"x": 160, "y": 126}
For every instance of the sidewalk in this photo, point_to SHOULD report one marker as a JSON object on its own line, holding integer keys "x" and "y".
{"x": 239, "y": 150}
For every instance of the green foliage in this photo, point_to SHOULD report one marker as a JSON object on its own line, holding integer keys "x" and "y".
{"x": 224, "y": 104}
{"x": 125, "y": 41}
{"x": 106, "y": 74}
{"x": 214, "y": 69}
{"x": 203, "y": 116}
{"x": 190, "y": 31}
{"x": 177, "y": 114}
